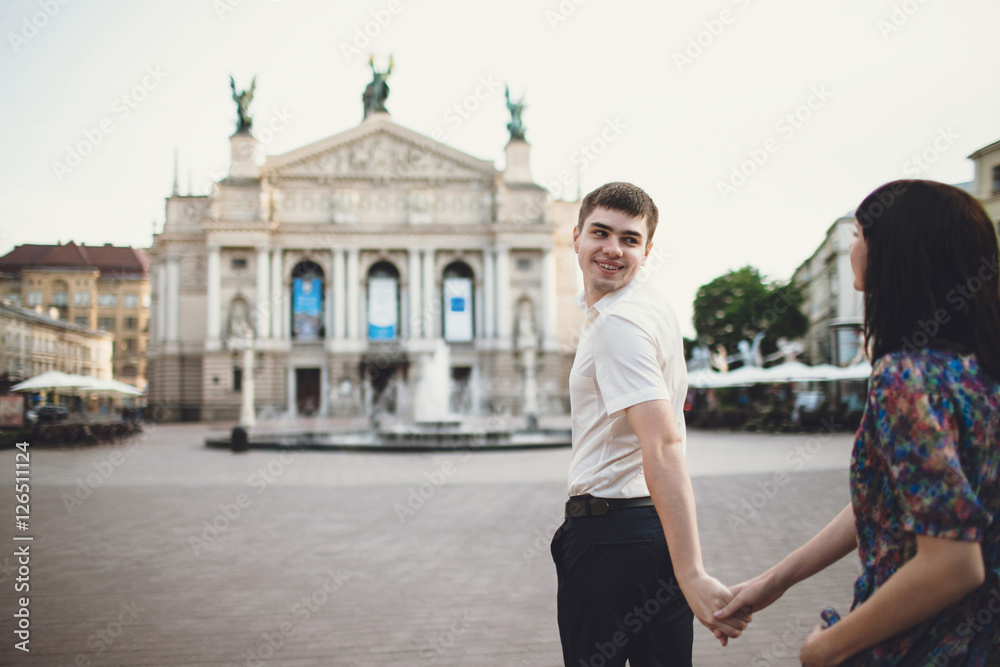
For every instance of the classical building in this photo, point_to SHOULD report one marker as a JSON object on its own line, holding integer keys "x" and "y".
{"x": 359, "y": 267}
{"x": 105, "y": 288}
{"x": 986, "y": 182}
{"x": 33, "y": 341}
{"x": 835, "y": 310}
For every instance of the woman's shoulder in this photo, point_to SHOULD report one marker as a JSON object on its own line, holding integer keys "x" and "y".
{"x": 923, "y": 367}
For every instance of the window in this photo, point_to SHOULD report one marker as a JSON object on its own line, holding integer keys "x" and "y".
{"x": 131, "y": 323}
{"x": 129, "y": 344}
{"x": 130, "y": 300}
{"x": 34, "y": 298}
{"x": 107, "y": 299}
{"x": 81, "y": 299}
{"x": 60, "y": 299}
{"x": 14, "y": 298}
{"x": 237, "y": 379}
{"x": 129, "y": 371}
{"x": 106, "y": 323}
{"x": 82, "y": 321}
{"x": 238, "y": 263}
{"x": 996, "y": 179}
{"x": 523, "y": 263}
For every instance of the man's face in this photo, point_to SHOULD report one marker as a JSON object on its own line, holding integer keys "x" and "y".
{"x": 611, "y": 247}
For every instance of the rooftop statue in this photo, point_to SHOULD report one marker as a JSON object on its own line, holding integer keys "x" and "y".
{"x": 378, "y": 90}
{"x": 244, "y": 123}
{"x": 515, "y": 126}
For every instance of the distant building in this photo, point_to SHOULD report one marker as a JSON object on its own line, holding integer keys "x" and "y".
{"x": 105, "y": 288}
{"x": 360, "y": 265}
{"x": 835, "y": 310}
{"x": 986, "y": 183}
{"x": 32, "y": 342}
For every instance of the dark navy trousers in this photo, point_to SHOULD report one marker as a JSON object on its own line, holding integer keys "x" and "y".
{"x": 618, "y": 597}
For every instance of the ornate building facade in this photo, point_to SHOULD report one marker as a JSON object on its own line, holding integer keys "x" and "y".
{"x": 355, "y": 266}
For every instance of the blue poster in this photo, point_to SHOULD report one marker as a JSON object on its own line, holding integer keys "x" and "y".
{"x": 307, "y": 308}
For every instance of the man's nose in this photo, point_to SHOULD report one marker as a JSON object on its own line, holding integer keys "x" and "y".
{"x": 612, "y": 248}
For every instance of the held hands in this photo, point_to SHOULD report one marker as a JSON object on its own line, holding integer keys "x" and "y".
{"x": 756, "y": 594}
{"x": 704, "y": 595}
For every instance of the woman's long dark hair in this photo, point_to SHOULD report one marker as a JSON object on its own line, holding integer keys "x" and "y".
{"x": 932, "y": 272}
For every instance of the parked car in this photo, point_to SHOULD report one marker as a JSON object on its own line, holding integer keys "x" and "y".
{"x": 47, "y": 413}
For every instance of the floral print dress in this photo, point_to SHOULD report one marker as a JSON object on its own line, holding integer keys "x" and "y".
{"x": 926, "y": 462}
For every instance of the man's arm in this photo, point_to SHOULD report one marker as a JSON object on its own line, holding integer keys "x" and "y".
{"x": 829, "y": 545}
{"x": 670, "y": 487}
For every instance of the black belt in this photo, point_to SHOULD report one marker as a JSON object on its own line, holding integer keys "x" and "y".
{"x": 588, "y": 505}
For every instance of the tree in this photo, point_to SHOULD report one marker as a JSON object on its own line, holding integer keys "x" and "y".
{"x": 739, "y": 305}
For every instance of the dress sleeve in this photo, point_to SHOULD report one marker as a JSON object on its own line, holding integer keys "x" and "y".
{"x": 627, "y": 366}
{"x": 919, "y": 438}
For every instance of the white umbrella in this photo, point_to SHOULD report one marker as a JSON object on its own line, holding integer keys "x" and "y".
{"x": 112, "y": 385}
{"x": 741, "y": 377}
{"x": 796, "y": 371}
{"x": 704, "y": 379}
{"x": 861, "y": 371}
{"x": 53, "y": 380}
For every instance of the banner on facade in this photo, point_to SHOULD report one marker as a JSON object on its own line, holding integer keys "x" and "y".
{"x": 457, "y": 309}
{"x": 383, "y": 308}
{"x": 12, "y": 410}
{"x": 307, "y": 308}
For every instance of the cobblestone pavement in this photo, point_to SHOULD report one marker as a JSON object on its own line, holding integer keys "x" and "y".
{"x": 162, "y": 552}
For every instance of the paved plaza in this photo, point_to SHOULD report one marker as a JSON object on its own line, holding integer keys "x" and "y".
{"x": 164, "y": 552}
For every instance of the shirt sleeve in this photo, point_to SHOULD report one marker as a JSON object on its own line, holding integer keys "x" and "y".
{"x": 919, "y": 436}
{"x": 628, "y": 369}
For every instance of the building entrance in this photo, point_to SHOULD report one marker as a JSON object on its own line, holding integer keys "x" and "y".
{"x": 307, "y": 391}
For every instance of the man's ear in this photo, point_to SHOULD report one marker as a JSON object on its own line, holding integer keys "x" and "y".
{"x": 576, "y": 240}
{"x": 648, "y": 248}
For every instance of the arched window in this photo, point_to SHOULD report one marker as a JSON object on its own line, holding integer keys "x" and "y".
{"x": 307, "y": 302}
{"x": 60, "y": 293}
{"x": 129, "y": 372}
{"x": 383, "y": 302}
{"x": 457, "y": 306}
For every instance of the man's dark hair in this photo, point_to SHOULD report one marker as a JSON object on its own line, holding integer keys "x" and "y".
{"x": 624, "y": 198}
{"x": 932, "y": 276}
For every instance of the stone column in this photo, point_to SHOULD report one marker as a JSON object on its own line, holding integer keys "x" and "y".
{"x": 328, "y": 301}
{"x": 415, "y": 320}
{"x": 353, "y": 298}
{"x": 550, "y": 315}
{"x": 173, "y": 297}
{"x": 338, "y": 287}
{"x": 213, "y": 328}
{"x": 427, "y": 315}
{"x": 161, "y": 302}
{"x": 489, "y": 294}
{"x": 262, "y": 320}
{"x": 503, "y": 293}
{"x": 293, "y": 408}
{"x": 278, "y": 296}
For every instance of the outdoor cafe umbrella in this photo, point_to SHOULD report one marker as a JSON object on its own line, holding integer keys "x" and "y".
{"x": 53, "y": 380}
{"x": 796, "y": 371}
{"x": 111, "y": 385}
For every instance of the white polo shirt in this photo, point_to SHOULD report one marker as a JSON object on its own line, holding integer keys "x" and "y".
{"x": 630, "y": 351}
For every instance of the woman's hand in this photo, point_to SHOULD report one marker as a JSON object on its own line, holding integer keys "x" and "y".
{"x": 813, "y": 653}
{"x": 753, "y": 595}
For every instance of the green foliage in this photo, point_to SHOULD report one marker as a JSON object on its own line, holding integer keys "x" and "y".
{"x": 738, "y": 305}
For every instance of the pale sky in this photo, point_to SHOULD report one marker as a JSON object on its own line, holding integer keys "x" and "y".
{"x": 832, "y": 97}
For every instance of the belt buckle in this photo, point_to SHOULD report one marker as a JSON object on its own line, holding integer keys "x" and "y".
{"x": 598, "y": 506}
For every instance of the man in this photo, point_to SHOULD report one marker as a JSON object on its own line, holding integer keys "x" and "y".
{"x": 622, "y": 595}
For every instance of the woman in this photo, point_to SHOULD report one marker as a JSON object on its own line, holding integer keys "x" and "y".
{"x": 925, "y": 493}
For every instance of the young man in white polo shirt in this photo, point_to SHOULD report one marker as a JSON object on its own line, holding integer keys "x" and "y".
{"x": 622, "y": 595}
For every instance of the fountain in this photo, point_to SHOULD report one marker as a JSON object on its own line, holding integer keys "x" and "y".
{"x": 426, "y": 424}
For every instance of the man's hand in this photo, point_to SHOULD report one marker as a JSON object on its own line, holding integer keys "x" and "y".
{"x": 705, "y": 594}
